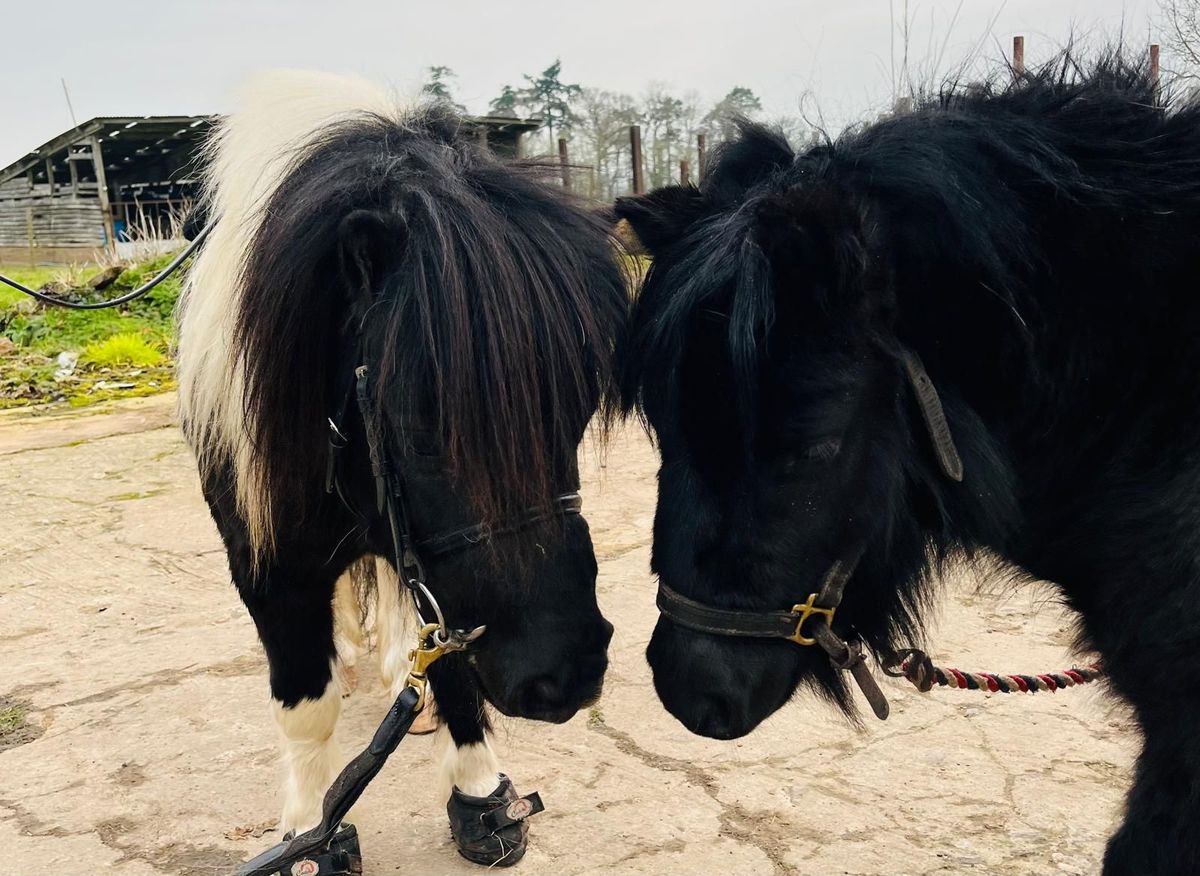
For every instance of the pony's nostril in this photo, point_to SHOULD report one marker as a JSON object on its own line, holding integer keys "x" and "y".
{"x": 544, "y": 694}
{"x": 713, "y": 718}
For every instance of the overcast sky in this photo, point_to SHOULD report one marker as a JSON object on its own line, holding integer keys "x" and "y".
{"x": 185, "y": 56}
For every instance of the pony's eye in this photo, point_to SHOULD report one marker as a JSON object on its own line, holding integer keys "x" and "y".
{"x": 820, "y": 452}
{"x": 824, "y": 451}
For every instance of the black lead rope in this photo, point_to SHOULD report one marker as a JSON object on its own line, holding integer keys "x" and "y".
{"x": 123, "y": 299}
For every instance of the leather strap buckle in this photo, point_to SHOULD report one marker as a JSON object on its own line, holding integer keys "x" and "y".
{"x": 806, "y": 610}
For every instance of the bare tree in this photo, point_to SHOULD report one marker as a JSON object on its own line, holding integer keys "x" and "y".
{"x": 1182, "y": 18}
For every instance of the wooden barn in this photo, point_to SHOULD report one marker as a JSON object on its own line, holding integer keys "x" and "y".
{"x": 106, "y": 181}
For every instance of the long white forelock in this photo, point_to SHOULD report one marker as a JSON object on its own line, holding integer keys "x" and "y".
{"x": 277, "y": 114}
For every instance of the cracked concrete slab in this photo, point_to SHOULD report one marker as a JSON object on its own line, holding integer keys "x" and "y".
{"x": 128, "y": 649}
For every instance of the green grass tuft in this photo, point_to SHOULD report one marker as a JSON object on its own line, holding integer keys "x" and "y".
{"x": 124, "y": 348}
{"x": 10, "y": 719}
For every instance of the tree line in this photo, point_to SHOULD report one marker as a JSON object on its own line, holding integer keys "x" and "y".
{"x": 595, "y": 122}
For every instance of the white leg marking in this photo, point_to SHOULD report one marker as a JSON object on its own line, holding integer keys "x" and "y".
{"x": 473, "y": 768}
{"x": 311, "y": 755}
{"x": 348, "y": 634}
{"x": 395, "y": 630}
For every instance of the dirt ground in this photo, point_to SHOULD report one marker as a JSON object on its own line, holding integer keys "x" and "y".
{"x": 138, "y": 738}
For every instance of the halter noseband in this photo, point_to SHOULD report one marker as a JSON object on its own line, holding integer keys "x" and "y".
{"x": 845, "y": 654}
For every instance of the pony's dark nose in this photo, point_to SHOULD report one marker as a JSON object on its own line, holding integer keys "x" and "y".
{"x": 546, "y": 698}
{"x": 557, "y": 695}
{"x": 544, "y": 694}
{"x": 713, "y": 717}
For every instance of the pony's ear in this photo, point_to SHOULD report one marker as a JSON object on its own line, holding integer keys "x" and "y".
{"x": 368, "y": 240}
{"x": 661, "y": 217}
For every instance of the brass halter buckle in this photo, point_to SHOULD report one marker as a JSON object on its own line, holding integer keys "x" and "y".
{"x": 806, "y": 610}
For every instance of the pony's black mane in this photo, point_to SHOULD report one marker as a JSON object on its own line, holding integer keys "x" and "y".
{"x": 488, "y": 301}
{"x": 920, "y": 188}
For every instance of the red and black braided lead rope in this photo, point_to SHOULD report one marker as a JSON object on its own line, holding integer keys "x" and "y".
{"x": 915, "y": 665}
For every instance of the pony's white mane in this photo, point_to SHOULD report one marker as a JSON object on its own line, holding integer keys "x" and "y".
{"x": 250, "y": 153}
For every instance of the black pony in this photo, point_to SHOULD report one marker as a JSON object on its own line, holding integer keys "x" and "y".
{"x": 1037, "y": 244}
{"x": 364, "y": 245}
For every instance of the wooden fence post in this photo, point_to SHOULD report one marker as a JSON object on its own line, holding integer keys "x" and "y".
{"x": 1154, "y": 70}
{"x": 635, "y": 156}
{"x": 685, "y": 176}
{"x": 1018, "y": 59}
{"x": 564, "y": 163}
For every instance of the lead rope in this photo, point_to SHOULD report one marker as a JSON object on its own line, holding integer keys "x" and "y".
{"x": 121, "y": 299}
{"x": 915, "y": 665}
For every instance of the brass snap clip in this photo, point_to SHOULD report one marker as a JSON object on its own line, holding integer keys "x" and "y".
{"x": 432, "y": 643}
{"x": 806, "y": 610}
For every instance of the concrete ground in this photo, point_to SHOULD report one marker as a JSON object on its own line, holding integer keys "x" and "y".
{"x": 138, "y": 739}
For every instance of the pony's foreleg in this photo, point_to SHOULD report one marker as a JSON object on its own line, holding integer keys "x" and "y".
{"x": 468, "y": 762}
{"x": 290, "y": 599}
{"x": 1145, "y": 622}
{"x": 1154, "y": 673}
{"x": 311, "y": 754}
{"x": 476, "y": 790}
{"x": 294, "y": 617}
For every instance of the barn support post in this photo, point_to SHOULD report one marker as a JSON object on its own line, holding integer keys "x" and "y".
{"x": 102, "y": 185}
{"x": 685, "y": 176}
{"x": 74, "y": 174}
{"x": 564, "y": 163}
{"x": 635, "y": 158}
{"x": 1018, "y": 56}
{"x": 50, "y": 175}
{"x": 701, "y": 152}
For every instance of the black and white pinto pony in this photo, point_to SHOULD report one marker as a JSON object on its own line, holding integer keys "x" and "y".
{"x": 1037, "y": 244}
{"x": 355, "y": 229}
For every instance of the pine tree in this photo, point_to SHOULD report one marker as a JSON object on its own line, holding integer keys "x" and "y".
{"x": 552, "y": 97}
{"x": 739, "y": 101}
{"x": 437, "y": 86}
{"x": 507, "y": 103}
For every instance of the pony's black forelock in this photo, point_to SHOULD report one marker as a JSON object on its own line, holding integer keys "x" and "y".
{"x": 490, "y": 302}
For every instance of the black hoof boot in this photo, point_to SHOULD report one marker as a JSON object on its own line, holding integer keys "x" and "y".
{"x": 491, "y": 830}
{"x": 342, "y": 858}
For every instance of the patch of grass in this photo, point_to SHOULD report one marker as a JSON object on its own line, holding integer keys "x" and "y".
{"x": 15, "y": 726}
{"x": 35, "y": 278}
{"x": 123, "y": 351}
{"x": 10, "y": 719}
{"x": 123, "y": 348}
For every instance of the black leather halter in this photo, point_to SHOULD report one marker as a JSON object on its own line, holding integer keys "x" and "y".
{"x": 845, "y": 654}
